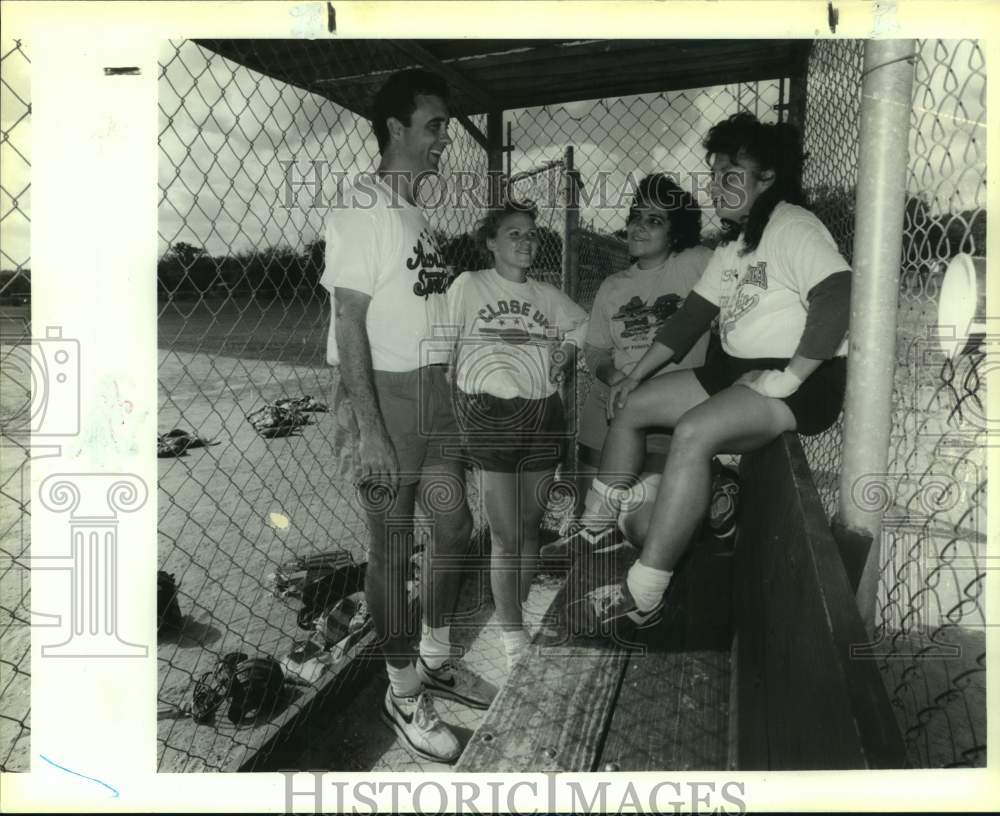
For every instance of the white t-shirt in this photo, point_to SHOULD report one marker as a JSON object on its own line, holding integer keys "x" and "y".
{"x": 763, "y": 296}
{"x": 506, "y": 331}
{"x": 386, "y": 251}
{"x": 632, "y": 305}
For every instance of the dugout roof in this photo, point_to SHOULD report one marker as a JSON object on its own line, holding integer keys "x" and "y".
{"x": 497, "y": 75}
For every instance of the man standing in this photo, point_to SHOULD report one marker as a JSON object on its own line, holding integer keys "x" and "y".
{"x": 388, "y": 283}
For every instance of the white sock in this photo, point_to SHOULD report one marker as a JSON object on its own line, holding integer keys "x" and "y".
{"x": 403, "y": 679}
{"x": 647, "y": 585}
{"x": 514, "y": 644}
{"x": 435, "y": 645}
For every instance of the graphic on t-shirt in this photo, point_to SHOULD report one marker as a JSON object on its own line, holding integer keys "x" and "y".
{"x": 756, "y": 275}
{"x": 516, "y": 322}
{"x": 640, "y": 319}
{"x": 434, "y": 276}
{"x": 735, "y": 307}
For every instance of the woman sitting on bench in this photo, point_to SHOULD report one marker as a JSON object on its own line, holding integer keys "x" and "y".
{"x": 781, "y": 292}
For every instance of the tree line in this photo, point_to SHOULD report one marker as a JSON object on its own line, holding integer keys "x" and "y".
{"x": 186, "y": 270}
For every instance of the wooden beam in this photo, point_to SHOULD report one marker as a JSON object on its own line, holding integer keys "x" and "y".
{"x": 806, "y": 700}
{"x": 494, "y": 155}
{"x": 453, "y": 75}
{"x": 473, "y": 131}
{"x": 672, "y": 711}
{"x": 552, "y": 713}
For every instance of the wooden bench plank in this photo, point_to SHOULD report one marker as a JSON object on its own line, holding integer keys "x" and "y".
{"x": 552, "y": 713}
{"x": 805, "y": 702}
{"x": 672, "y": 712}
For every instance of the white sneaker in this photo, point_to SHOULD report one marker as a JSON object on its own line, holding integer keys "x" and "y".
{"x": 417, "y": 724}
{"x": 456, "y": 682}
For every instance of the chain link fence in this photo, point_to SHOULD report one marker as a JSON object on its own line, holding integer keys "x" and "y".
{"x": 243, "y": 321}
{"x": 15, "y": 405}
{"x": 931, "y": 616}
{"x": 930, "y": 635}
{"x": 248, "y": 164}
{"x": 616, "y": 142}
{"x": 831, "y": 137}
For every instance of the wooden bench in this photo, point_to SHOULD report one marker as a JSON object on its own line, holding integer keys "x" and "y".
{"x": 586, "y": 705}
{"x": 801, "y": 700}
{"x": 805, "y": 699}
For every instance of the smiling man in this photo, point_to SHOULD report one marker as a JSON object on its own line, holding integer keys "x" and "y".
{"x": 388, "y": 283}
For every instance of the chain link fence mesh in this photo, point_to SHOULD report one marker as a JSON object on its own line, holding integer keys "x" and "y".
{"x": 616, "y": 142}
{"x": 830, "y": 133}
{"x": 243, "y": 320}
{"x": 15, "y": 405}
{"x": 248, "y": 164}
{"x": 930, "y": 636}
{"x": 931, "y": 615}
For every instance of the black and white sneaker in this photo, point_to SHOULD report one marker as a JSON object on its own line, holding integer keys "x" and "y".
{"x": 454, "y": 681}
{"x": 606, "y": 607}
{"x": 584, "y": 540}
{"x": 420, "y": 728}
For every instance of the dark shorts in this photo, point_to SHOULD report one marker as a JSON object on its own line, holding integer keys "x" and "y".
{"x": 816, "y": 404}
{"x": 511, "y": 435}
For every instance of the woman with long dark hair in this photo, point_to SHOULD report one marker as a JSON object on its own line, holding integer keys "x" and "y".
{"x": 781, "y": 292}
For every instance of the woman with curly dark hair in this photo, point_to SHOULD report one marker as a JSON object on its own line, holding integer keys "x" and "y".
{"x": 664, "y": 234}
{"x": 781, "y": 292}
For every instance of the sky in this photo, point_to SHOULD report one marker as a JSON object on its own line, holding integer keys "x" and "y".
{"x": 227, "y": 134}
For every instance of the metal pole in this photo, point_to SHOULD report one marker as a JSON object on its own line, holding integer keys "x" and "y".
{"x": 494, "y": 155}
{"x": 882, "y": 168}
{"x": 570, "y": 273}
{"x": 570, "y": 260}
{"x": 509, "y": 148}
{"x": 797, "y": 96}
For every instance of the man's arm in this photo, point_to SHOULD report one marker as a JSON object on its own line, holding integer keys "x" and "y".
{"x": 378, "y": 457}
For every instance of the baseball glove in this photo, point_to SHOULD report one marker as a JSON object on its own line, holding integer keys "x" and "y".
{"x": 321, "y": 589}
{"x": 305, "y": 404}
{"x": 292, "y": 575}
{"x": 345, "y": 618}
{"x": 273, "y": 420}
{"x": 168, "y": 611}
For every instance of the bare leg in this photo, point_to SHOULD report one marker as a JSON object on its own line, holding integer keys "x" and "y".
{"x": 534, "y": 487}
{"x": 391, "y": 524}
{"x": 500, "y": 493}
{"x": 442, "y": 493}
{"x": 736, "y": 420}
{"x": 660, "y": 401}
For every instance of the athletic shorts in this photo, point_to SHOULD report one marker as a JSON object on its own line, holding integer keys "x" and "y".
{"x": 817, "y": 402}
{"x": 594, "y": 429}
{"x": 417, "y": 410}
{"x": 511, "y": 435}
